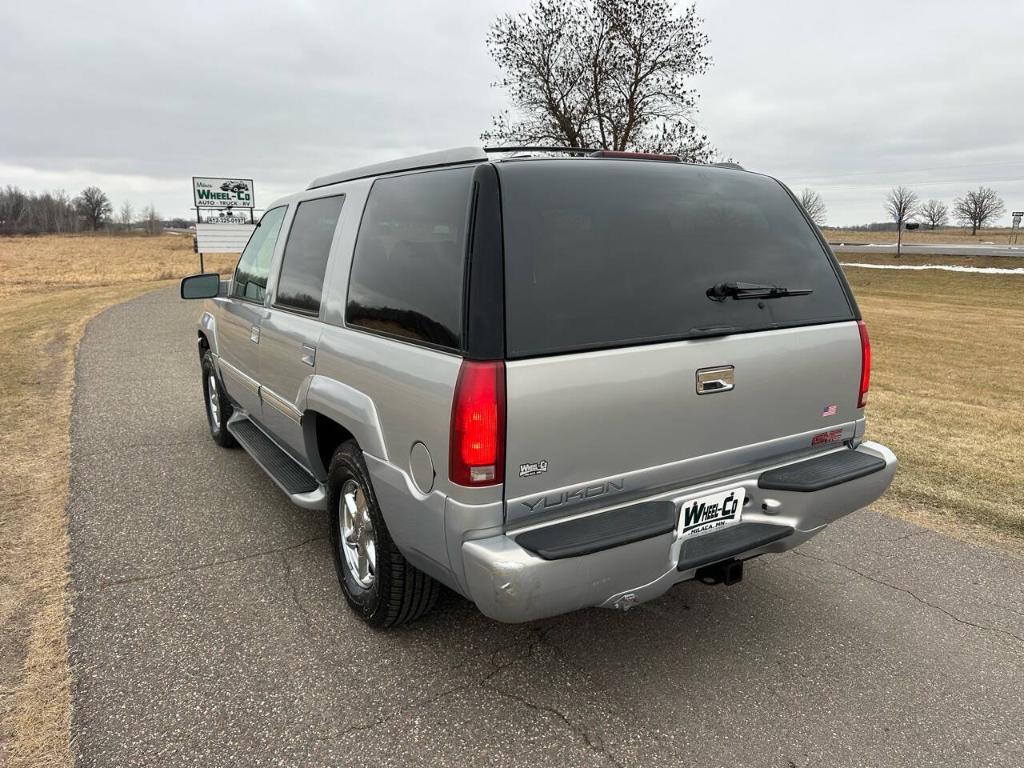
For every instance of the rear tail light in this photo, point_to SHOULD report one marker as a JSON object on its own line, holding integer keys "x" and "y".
{"x": 865, "y": 364}
{"x": 477, "y": 452}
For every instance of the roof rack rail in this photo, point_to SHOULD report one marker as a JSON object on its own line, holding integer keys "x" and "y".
{"x": 591, "y": 152}
{"x": 567, "y": 150}
{"x": 455, "y": 156}
{"x": 617, "y": 155}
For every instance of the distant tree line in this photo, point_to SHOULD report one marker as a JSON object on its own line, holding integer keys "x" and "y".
{"x": 26, "y": 212}
{"x": 29, "y": 213}
{"x": 976, "y": 209}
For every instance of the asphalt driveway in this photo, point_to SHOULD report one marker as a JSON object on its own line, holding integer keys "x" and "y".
{"x": 209, "y": 629}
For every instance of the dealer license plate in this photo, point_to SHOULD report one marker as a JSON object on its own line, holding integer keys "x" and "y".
{"x": 712, "y": 512}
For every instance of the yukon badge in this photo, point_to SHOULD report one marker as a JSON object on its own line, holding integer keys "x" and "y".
{"x": 574, "y": 495}
{"x": 533, "y": 468}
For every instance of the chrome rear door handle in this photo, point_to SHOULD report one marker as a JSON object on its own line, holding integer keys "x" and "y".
{"x": 719, "y": 379}
{"x": 308, "y": 354}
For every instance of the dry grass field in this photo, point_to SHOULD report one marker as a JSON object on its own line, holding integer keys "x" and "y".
{"x": 43, "y": 264}
{"x": 949, "y": 235}
{"x": 947, "y": 395}
{"x": 50, "y": 287}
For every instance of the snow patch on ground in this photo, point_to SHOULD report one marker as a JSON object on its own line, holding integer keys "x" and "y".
{"x": 943, "y": 267}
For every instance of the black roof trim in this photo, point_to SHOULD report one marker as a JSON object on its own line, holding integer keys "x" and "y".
{"x": 457, "y": 156}
{"x": 566, "y": 150}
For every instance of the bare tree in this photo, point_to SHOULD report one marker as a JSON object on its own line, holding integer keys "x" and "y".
{"x": 94, "y": 206}
{"x": 901, "y": 203}
{"x": 610, "y": 74}
{"x": 45, "y": 212}
{"x": 56, "y": 212}
{"x": 814, "y": 205}
{"x": 126, "y": 215}
{"x": 67, "y": 220}
{"x": 151, "y": 220}
{"x": 14, "y": 207}
{"x": 936, "y": 213}
{"x": 978, "y": 207}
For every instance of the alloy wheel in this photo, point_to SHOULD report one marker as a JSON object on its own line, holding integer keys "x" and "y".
{"x": 357, "y": 542}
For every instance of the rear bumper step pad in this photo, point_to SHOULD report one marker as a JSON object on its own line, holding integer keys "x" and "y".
{"x": 594, "y": 533}
{"x": 822, "y": 472}
{"x": 605, "y": 530}
{"x": 712, "y": 547}
{"x": 288, "y": 473}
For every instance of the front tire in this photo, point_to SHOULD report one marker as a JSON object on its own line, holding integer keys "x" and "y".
{"x": 379, "y": 584}
{"x": 218, "y": 407}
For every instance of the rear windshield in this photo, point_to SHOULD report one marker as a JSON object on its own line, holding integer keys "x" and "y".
{"x": 605, "y": 253}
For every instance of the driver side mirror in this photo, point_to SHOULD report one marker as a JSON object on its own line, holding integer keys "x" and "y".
{"x": 205, "y": 286}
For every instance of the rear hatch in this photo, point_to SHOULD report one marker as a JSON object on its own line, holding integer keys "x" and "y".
{"x": 610, "y": 329}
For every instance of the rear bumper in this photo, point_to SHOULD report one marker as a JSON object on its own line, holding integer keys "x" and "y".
{"x": 508, "y": 582}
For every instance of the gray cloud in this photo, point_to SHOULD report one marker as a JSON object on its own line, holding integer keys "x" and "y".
{"x": 851, "y": 99}
{"x": 846, "y": 99}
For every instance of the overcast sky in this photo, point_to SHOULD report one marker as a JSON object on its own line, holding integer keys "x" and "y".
{"x": 848, "y": 99}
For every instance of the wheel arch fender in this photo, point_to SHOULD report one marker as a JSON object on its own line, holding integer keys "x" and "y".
{"x": 325, "y": 398}
{"x": 208, "y": 330}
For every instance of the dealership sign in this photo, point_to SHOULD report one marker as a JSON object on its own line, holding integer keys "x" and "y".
{"x": 222, "y": 193}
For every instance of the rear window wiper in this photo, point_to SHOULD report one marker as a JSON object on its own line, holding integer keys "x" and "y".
{"x": 723, "y": 291}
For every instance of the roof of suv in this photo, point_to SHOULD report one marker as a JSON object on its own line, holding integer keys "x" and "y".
{"x": 460, "y": 155}
{"x": 428, "y": 160}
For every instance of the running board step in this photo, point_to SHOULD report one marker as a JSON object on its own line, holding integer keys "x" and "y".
{"x": 605, "y": 530}
{"x": 822, "y": 472}
{"x": 293, "y": 478}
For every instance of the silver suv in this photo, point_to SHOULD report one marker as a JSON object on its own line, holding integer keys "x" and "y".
{"x": 545, "y": 382}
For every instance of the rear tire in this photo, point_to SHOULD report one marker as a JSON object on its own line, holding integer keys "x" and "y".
{"x": 379, "y": 584}
{"x": 218, "y": 406}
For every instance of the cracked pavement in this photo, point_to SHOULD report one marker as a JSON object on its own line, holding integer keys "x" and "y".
{"x": 208, "y": 627}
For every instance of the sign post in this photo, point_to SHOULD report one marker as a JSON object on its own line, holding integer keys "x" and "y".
{"x": 233, "y": 200}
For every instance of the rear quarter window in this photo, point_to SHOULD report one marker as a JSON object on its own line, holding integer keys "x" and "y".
{"x": 605, "y": 253}
{"x": 407, "y": 270}
{"x": 301, "y": 283}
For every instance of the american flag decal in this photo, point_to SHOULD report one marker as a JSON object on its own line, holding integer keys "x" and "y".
{"x": 830, "y": 410}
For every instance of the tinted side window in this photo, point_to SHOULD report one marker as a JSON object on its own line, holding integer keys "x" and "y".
{"x": 406, "y": 277}
{"x": 254, "y": 265}
{"x": 301, "y": 283}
